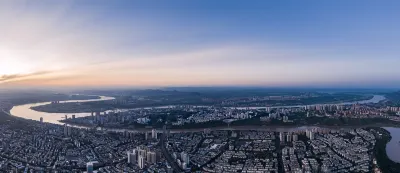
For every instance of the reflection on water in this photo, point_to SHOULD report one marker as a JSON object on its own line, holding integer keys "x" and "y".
{"x": 24, "y": 111}
{"x": 393, "y": 147}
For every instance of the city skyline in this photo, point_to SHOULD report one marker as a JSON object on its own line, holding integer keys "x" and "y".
{"x": 199, "y": 43}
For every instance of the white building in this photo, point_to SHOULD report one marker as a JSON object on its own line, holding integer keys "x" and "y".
{"x": 154, "y": 134}
{"x": 67, "y": 130}
{"x": 131, "y": 157}
{"x": 310, "y": 134}
{"x": 288, "y": 138}
{"x": 151, "y": 157}
{"x": 141, "y": 162}
{"x": 295, "y": 137}
{"x": 185, "y": 157}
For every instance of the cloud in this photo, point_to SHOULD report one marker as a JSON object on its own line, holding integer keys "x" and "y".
{"x": 14, "y": 77}
{"x": 62, "y": 45}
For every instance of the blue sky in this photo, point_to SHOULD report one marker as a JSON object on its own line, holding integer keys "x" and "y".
{"x": 190, "y": 43}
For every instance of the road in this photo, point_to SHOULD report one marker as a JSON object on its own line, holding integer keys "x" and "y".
{"x": 168, "y": 156}
{"x": 6, "y": 112}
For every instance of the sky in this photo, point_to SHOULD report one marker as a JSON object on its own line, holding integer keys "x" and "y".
{"x": 134, "y": 43}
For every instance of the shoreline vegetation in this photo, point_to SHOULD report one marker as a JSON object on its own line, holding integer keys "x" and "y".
{"x": 385, "y": 164}
{"x": 220, "y": 125}
{"x": 45, "y": 108}
{"x": 87, "y": 107}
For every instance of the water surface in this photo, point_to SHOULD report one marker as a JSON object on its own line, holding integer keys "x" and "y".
{"x": 25, "y": 111}
{"x": 393, "y": 147}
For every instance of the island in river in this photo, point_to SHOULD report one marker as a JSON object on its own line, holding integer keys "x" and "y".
{"x": 167, "y": 98}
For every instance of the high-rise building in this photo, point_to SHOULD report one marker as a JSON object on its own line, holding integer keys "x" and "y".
{"x": 285, "y": 151}
{"x": 131, "y": 157}
{"x": 41, "y": 119}
{"x": 310, "y": 134}
{"x": 65, "y": 130}
{"x": 169, "y": 169}
{"x": 69, "y": 130}
{"x": 281, "y": 137}
{"x": 168, "y": 132}
{"x": 148, "y": 157}
{"x": 89, "y": 167}
{"x": 184, "y": 165}
{"x": 295, "y": 137}
{"x": 154, "y": 134}
{"x": 288, "y": 138}
{"x": 185, "y": 157}
{"x": 73, "y": 116}
{"x": 77, "y": 143}
{"x": 142, "y": 153}
{"x": 146, "y": 135}
{"x": 165, "y": 133}
{"x": 151, "y": 157}
{"x": 141, "y": 162}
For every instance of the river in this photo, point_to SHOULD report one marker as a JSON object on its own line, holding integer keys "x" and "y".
{"x": 393, "y": 147}
{"x": 25, "y": 111}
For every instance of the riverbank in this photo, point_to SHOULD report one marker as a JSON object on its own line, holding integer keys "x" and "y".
{"x": 256, "y": 121}
{"x": 72, "y": 107}
{"x": 283, "y": 128}
{"x": 25, "y": 111}
{"x": 384, "y": 162}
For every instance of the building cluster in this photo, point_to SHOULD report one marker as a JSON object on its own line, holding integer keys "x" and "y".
{"x": 142, "y": 116}
{"x": 353, "y": 111}
{"x": 44, "y": 147}
{"x": 261, "y": 100}
{"x": 207, "y": 114}
{"x": 114, "y": 118}
{"x": 303, "y": 150}
{"x": 393, "y": 109}
{"x": 142, "y": 156}
{"x": 204, "y": 114}
{"x": 54, "y": 148}
{"x": 330, "y": 110}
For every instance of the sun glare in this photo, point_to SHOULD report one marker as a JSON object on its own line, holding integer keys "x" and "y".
{"x": 12, "y": 64}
